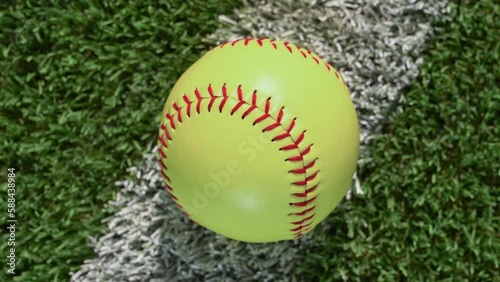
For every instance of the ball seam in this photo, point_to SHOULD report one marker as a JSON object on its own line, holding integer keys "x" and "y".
{"x": 192, "y": 105}
{"x": 291, "y": 48}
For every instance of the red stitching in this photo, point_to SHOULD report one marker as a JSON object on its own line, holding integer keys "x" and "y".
{"x": 236, "y": 41}
{"x": 288, "y": 147}
{"x": 162, "y": 154}
{"x": 274, "y": 44}
{"x": 304, "y": 212}
{"x": 224, "y": 100}
{"x": 212, "y": 97}
{"x": 247, "y": 112}
{"x": 304, "y": 203}
{"x": 173, "y": 196}
{"x": 179, "y": 116}
{"x": 304, "y": 52}
{"x": 198, "y": 98}
{"x": 186, "y": 99}
{"x": 292, "y": 124}
{"x": 300, "y": 138}
{"x": 164, "y": 175}
{"x": 302, "y": 232}
{"x": 288, "y": 47}
{"x": 240, "y": 100}
{"x": 300, "y": 227}
{"x": 308, "y": 205}
{"x": 303, "y": 195}
{"x": 303, "y": 220}
{"x": 176, "y": 107}
{"x": 168, "y": 186}
{"x": 162, "y": 141}
{"x": 304, "y": 182}
{"x": 301, "y": 156}
{"x": 305, "y": 168}
{"x": 162, "y": 164}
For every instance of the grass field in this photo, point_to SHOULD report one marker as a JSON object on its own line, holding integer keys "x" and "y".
{"x": 432, "y": 182}
{"x": 82, "y": 87}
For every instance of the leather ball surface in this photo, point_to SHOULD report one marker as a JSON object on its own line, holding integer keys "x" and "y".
{"x": 259, "y": 140}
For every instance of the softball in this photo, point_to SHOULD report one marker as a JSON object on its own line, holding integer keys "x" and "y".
{"x": 258, "y": 140}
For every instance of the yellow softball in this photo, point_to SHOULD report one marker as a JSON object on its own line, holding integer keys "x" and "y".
{"x": 258, "y": 140}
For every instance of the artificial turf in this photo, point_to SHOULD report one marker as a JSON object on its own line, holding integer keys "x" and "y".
{"x": 81, "y": 86}
{"x": 433, "y": 179}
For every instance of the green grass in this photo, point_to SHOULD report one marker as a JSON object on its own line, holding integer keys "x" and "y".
{"x": 432, "y": 183}
{"x": 81, "y": 88}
